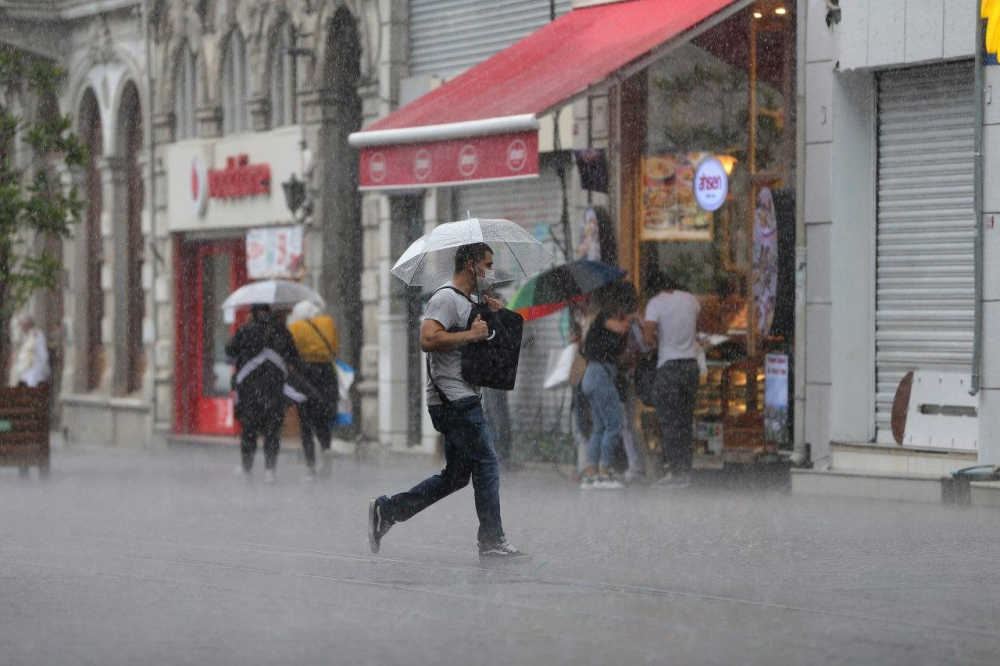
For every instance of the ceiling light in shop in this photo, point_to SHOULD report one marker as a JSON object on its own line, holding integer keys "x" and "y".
{"x": 728, "y": 162}
{"x": 758, "y": 15}
{"x": 780, "y": 11}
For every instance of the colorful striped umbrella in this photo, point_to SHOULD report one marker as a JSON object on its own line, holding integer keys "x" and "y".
{"x": 554, "y": 289}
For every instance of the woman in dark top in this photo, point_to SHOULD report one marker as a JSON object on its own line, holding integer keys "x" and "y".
{"x": 602, "y": 348}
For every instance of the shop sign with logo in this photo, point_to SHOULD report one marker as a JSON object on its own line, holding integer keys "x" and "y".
{"x": 239, "y": 179}
{"x": 711, "y": 184}
{"x": 199, "y": 186}
{"x": 776, "y": 398}
{"x": 275, "y": 253}
{"x": 450, "y": 162}
{"x": 232, "y": 182}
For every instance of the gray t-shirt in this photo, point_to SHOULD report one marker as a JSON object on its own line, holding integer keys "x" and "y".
{"x": 451, "y": 310}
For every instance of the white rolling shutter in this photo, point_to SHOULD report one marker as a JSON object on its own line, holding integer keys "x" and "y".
{"x": 447, "y": 36}
{"x": 925, "y": 261}
{"x": 531, "y": 203}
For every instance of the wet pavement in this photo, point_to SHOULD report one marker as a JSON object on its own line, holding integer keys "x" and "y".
{"x": 168, "y": 557}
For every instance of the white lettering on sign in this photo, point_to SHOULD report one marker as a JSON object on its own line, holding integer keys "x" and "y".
{"x": 517, "y": 155}
{"x": 468, "y": 160}
{"x": 377, "y": 167}
{"x": 711, "y": 184}
{"x": 422, "y": 164}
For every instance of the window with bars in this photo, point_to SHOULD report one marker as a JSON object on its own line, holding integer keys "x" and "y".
{"x": 186, "y": 94}
{"x": 235, "y": 86}
{"x": 283, "y": 78}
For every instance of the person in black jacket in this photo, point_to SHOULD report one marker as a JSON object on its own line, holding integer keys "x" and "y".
{"x": 264, "y": 354}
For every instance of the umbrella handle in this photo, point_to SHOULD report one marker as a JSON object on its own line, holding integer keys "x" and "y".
{"x": 492, "y": 335}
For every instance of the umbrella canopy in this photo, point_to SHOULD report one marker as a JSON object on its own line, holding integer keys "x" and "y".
{"x": 430, "y": 260}
{"x": 279, "y": 293}
{"x": 552, "y": 290}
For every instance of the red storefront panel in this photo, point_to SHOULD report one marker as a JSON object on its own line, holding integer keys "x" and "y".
{"x": 458, "y": 161}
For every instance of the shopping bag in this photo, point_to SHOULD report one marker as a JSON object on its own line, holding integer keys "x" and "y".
{"x": 345, "y": 406}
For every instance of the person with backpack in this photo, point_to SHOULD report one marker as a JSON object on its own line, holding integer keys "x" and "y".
{"x": 456, "y": 411}
{"x": 264, "y": 354}
{"x": 316, "y": 341}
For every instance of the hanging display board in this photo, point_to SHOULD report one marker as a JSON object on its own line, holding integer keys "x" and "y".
{"x": 670, "y": 210}
{"x": 275, "y": 253}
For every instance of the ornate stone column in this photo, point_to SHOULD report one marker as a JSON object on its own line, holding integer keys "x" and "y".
{"x": 260, "y": 114}
{"x": 209, "y": 120}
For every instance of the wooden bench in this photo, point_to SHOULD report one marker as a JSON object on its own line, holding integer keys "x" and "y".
{"x": 24, "y": 428}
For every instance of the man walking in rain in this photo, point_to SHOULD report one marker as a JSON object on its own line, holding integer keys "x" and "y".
{"x": 456, "y": 411}
{"x": 263, "y": 352}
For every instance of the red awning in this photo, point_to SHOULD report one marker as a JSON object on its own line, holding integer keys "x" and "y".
{"x": 482, "y": 125}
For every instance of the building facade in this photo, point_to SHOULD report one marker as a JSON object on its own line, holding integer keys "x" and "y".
{"x": 444, "y": 39}
{"x": 99, "y": 322}
{"x": 228, "y": 101}
{"x": 892, "y": 288}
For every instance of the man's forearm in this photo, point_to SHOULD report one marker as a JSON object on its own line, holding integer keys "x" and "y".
{"x": 446, "y": 342}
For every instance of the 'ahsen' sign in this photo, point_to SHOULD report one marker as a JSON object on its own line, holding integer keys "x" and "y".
{"x": 711, "y": 184}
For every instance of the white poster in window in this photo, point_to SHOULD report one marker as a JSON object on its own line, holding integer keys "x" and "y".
{"x": 776, "y": 398}
{"x": 275, "y": 253}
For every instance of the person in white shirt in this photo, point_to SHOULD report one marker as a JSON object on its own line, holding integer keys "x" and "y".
{"x": 31, "y": 361}
{"x": 671, "y": 323}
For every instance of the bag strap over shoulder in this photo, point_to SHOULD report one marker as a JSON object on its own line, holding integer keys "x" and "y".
{"x": 444, "y": 399}
{"x": 322, "y": 337}
{"x": 457, "y": 291}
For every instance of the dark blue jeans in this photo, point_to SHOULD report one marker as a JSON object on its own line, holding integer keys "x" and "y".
{"x": 468, "y": 453}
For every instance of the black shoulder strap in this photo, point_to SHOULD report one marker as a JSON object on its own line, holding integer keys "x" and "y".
{"x": 457, "y": 291}
{"x": 444, "y": 399}
{"x": 322, "y": 337}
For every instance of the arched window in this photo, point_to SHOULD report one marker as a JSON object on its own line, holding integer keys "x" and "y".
{"x": 235, "y": 86}
{"x": 283, "y": 77}
{"x": 90, "y": 297}
{"x": 129, "y": 249}
{"x": 186, "y": 94}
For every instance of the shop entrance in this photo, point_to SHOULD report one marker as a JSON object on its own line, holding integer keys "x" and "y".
{"x": 209, "y": 272}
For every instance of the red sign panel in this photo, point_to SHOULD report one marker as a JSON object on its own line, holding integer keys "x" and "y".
{"x": 451, "y": 162}
{"x": 238, "y": 180}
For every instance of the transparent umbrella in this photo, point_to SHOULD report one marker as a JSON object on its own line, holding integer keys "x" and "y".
{"x": 430, "y": 260}
{"x": 278, "y": 293}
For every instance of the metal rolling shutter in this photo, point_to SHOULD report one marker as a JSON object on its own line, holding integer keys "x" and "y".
{"x": 530, "y": 203}
{"x": 450, "y": 35}
{"x": 925, "y": 281}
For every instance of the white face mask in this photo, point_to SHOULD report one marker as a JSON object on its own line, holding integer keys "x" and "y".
{"x": 488, "y": 279}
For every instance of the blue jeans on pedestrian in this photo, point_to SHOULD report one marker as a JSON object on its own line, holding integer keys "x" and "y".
{"x": 606, "y": 412}
{"x": 468, "y": 453}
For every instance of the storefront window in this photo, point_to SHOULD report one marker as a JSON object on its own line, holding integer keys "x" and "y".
{"x": 723, "y": 102}
{"x": 726, "y": 95}
{"x": 216, "y": 370}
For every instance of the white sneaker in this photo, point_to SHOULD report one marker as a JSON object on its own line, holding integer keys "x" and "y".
{"x": 608, "y": 483}
{"x": 310, "y": 476}
{"x": 634, "y": 476}
{"x": 270, "y": 476}
{"x": 587, "y": 483}
{"x": 326, "y": 463}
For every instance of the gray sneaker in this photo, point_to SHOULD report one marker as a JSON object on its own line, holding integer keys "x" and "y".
{"x": 502, "y": 550}
{"x": 378, "y": 524}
